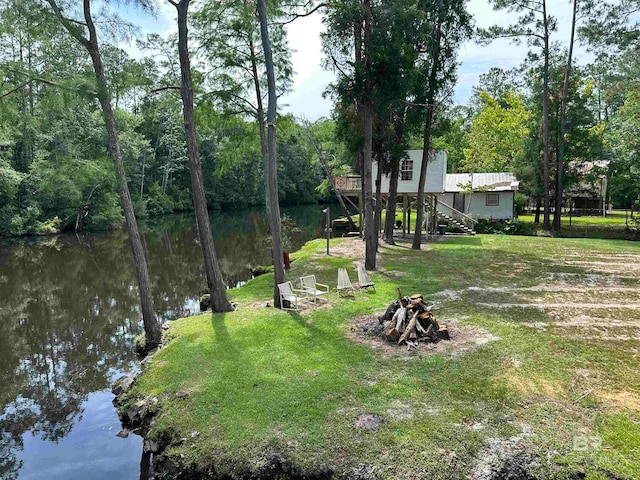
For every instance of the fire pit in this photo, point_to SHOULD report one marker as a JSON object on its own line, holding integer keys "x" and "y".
{"x": 410, "y": 320}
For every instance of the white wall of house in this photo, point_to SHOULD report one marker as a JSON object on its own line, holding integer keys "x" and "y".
{"x": 477, "y": 207}
{"x": 448, "y": 199}
{"x": 503, "y": 211}
{"x": 436, "y": 174}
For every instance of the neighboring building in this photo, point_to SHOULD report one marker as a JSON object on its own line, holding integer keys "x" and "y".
{"x": 460, "y": 199}
{"x": 481, "y": 195}
{"x": 588, "y": 196}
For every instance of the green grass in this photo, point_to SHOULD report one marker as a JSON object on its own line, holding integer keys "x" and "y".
{"x": 615, "y": 219}
{"x": 263, "y": 380}
{"x": 613, "y": 226}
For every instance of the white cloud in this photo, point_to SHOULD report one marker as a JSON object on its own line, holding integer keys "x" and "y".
{"x": 311, "y": 80}
{"x": 303, "y": 35}
{"x": 477, "y": 59}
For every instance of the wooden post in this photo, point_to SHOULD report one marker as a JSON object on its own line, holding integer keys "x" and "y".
{"x": 360, "y": 205}
{"x": 404, "y": 215}
{"x": 570, "y": 210}
{"x": 409, "y": 220}
{"x": 434, "y": 207}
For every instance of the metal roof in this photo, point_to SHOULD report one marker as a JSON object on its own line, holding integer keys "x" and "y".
{"x": 488, "y": 182}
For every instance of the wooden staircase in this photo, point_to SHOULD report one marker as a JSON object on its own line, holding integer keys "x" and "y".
{"x": 452, "y": 222}
{"x": 455, "y": 218}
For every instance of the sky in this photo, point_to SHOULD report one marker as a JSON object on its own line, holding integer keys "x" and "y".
{"x": 311, "y": 80}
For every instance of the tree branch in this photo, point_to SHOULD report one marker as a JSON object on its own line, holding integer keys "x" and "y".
{"x": 335, "y": 64}
{"x": 68, "y": 23}
{"x": 301, "y": 15}
{"x": 168, "y": 87}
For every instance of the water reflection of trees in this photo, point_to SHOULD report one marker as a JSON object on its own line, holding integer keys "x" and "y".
{"x": 69, "y": 312}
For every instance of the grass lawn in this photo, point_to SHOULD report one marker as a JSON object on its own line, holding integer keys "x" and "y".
{"x": 617, "y": 218}
{"x": 556, "y": 392}
{"x": 613, "y": 226}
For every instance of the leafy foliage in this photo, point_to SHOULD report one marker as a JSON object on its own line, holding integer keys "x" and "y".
{"x": 498, "y": 133}
{"x": 53, "y": 147}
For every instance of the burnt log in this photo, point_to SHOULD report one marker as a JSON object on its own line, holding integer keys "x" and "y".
{"x": 391, "y": 310}
{"x": 411, "y": 328}
{"x": 443, "y": 333}
{"x": 392, "y": 334}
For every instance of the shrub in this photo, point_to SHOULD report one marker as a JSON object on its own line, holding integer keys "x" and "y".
{"x": 504, "y": 227}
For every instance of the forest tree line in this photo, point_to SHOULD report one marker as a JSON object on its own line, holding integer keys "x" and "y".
{"x": 395, "y": 65}
{"x": 54, "y": 157}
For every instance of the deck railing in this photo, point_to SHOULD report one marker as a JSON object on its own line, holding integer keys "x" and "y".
{"x": 456, "y": 214}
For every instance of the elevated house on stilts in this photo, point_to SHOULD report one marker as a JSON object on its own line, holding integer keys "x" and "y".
{"x": 444, "y": 204}
{"x": 408, "y": 178}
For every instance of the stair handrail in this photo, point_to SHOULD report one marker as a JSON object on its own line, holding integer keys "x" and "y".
{"x": 458, "y": 213}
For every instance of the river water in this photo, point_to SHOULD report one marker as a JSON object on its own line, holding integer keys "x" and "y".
{"x": 68, "y": 316}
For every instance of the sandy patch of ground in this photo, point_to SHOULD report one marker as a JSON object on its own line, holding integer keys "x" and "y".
{"x": 506, "y": 458}
{"x": 589, "y": 279}
{"x": 530, "y": 385}
{"x": 395, "y": 273}
{"x": 365, "y": 329}
{"x": 511, "y": 269}
{"x": 608, "y": 257}
{"x": 602, "y": 303}
{"x": 627, "y": 266}
{"x": 350, "y": 248}
{"x": 567, "y": 305}
{"x": 398, "y": 410}
{"x": 626, "y": 400}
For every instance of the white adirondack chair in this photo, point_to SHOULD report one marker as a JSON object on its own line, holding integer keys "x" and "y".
{"x": 364, "y": 280}
{"x": 292, "y": 295}
{"x": 344, "y": 283}
{"x": 314, "y": 289}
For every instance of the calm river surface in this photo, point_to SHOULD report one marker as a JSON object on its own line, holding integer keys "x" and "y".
{"x": 68, "y": 316}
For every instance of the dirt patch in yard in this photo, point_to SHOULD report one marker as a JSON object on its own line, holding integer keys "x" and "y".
{"x": 507, "y": 458}
{"x": 351, "y": 248}
{"x": 626, "y": 267}
{"x": 622, "y": 399}
{"x": 366, "y": 330}
{"x": 600, "y": 303}
{"x": 529, "y": 385}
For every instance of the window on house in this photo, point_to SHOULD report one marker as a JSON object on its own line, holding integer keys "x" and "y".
{"x": 492, "y": 199}
{"x": 406, "y": 170}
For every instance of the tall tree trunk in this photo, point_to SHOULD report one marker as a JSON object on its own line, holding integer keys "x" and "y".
{"x": 366, "y": 111}
{"x": 426, "y": 153}
{"x": 563, "y": 124}
{"x": 370, "y": 233}
{"x": 264, "y": 149}
{"x": 389, "y": 222}
{"x": 426, "y": 150}
{"x": 378, "y": 199}
{"x": 272, "y": 164}
{"x": 217, "y": 288}
{"x": 151, "y": 325}
{"x": 426, "y": 141}
{"x": 546, "y": 159}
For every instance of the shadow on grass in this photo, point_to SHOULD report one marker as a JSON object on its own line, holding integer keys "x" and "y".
{"x": 460, "y": 240}
{"x": 218, "y": 323}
